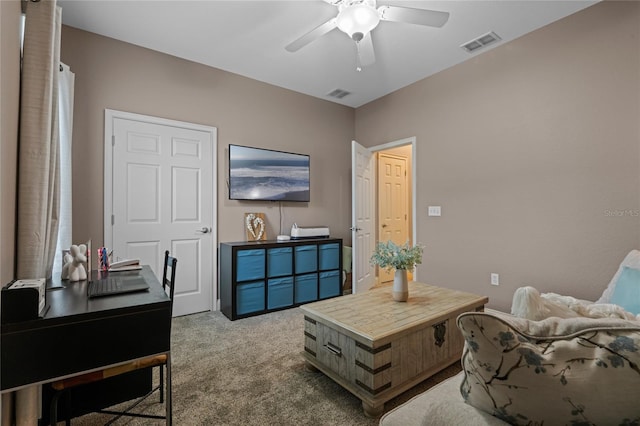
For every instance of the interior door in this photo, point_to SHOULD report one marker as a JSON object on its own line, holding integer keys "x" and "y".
{"x": 363, "y": 216}
{"x": 393, "y": 208}
{"x": 163, "y": 199}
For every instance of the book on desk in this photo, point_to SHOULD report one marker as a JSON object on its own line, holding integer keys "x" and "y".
{"x": 125, "y": 265}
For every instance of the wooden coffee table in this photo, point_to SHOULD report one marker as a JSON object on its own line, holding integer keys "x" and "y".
{"x": 378, "y": 348}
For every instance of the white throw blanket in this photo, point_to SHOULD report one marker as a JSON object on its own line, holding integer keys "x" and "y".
{"x": 530, "y": 304}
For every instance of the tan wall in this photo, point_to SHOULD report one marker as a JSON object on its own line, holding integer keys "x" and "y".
{"x": 9, "y": 107}
{"x": 120, "y": 76}
{"x": 532, "y": 150}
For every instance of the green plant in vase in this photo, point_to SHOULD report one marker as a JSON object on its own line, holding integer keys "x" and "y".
{"x": 401, "y": 258}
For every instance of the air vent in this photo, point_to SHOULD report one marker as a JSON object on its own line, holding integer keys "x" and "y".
{"x": 338, "y": 93}
{"x": 480, "y": 42}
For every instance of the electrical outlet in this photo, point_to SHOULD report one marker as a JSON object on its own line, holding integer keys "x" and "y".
{"x": 495, "y": 279}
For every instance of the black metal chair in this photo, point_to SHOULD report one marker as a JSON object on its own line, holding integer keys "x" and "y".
{"x": 162, "y": 361}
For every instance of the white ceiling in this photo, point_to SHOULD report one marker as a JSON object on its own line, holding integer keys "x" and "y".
{"x": 248, "y": 38}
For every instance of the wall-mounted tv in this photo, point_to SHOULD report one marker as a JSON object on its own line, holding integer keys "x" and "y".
{"x": 267, "y": 175}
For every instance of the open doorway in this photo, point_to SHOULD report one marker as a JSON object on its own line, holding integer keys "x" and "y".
{"x": 365, "y": 224}
{"x": 393, "y": 200}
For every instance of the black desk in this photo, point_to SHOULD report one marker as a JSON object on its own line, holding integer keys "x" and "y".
{"x": 78, "y": 334}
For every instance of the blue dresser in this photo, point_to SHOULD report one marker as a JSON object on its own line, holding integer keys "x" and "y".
{"x": 262, "y": 276}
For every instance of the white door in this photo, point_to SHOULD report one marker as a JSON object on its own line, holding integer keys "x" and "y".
{"x": 393, "y": 209}
{"x": 162, "y": 198}
{"x": 363, "y": 216}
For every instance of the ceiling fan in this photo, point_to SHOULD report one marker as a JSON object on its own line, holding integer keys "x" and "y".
{"x": 357, "y": 18}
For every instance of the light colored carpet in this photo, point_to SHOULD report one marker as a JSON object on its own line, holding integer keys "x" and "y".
{"x": 251, "y": 372}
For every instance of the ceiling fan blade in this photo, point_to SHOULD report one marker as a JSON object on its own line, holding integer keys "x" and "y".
{"x": 430, "y": 18}
{"x": 312, "y": 35}
{"x": 366, "y": 54}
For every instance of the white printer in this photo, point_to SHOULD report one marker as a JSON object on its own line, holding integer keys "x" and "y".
{"x": 299, "y": 232}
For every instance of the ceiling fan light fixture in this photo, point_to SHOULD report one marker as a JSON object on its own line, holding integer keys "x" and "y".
{"x": 356, "y": 20}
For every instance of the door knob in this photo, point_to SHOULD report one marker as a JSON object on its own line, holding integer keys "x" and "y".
{"x": 384, "y": 225}
{"x": 204, "y": 230}
{"x": 355, "y": 228}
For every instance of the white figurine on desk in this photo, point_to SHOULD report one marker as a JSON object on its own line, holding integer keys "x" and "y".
{"x": 74, "y": 262}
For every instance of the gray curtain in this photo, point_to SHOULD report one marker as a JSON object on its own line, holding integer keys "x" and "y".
{"x": 38, "y": 163}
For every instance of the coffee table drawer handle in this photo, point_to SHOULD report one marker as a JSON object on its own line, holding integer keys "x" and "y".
{"x": 333, "y": 349}
{"x": 439, "y": 331}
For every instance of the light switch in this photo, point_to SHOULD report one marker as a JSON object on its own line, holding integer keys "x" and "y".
{"x": 495, "y": 279}
{"x": 434, "y": 211}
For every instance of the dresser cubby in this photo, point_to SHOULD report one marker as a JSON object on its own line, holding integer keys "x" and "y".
{"x": 257, "y": 277}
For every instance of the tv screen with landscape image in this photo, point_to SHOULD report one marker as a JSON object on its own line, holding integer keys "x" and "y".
{"x": 267, "y": 175}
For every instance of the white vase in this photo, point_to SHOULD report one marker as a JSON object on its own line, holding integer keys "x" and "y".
{"x": 400, "y": 286}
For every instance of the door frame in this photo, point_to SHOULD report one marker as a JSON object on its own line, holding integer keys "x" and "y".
{"x": 394, "y": 144}
{"x": 109, "y": 135}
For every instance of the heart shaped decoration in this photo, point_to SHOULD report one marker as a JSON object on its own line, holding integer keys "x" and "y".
{"x": 255, "y": 226}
